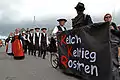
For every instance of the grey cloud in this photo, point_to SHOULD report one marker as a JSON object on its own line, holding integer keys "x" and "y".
{"x": 117, "y": 18}
{"x": 8, "y": 14}
{"x": 49, "y": 23}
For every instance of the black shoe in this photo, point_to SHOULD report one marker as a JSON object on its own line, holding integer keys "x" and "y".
{"x": 43, "y": 58}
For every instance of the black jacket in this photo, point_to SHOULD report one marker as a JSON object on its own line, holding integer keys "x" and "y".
{"x": 81, "y": 20}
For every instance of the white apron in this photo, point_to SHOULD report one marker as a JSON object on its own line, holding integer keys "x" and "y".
{"x": 9, "y": 47}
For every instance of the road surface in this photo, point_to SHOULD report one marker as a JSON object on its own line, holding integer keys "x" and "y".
{"x": 31, "y": 68}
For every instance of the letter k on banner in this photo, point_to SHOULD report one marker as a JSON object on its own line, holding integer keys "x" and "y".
{"x": 63, "y": 39}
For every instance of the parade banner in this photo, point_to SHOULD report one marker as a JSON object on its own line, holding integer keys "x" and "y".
{"x": 86, "y": 51}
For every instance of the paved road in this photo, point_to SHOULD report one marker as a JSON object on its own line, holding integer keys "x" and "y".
{"x": 31, "y": 68}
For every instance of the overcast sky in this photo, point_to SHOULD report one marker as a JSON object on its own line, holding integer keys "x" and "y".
{"x": 18, "y": 10}
{"x": 20, "y": 13}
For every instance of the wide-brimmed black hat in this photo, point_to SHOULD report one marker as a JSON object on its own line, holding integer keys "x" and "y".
{"x": 44, "y": 29}
{"x": 31, "y": 29}
{"x": 80, "y": 6}
{"x": 62, "y": 20}
{"x": 27, "y": 31}
{"x": 37, "y": 28}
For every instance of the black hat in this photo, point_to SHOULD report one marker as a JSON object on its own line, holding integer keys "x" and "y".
{"x": 31, "y": 29}
{"x": 62, "y": 20}
{"x": 44, "y": 29}
{"x": 80, "y": 6}
{"x": 27, "y": 31}
{"x": 37, "y": 28}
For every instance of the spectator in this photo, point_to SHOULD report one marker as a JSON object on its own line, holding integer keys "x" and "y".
{"x": 115, "y": 44}
{"x": 108, "y": 18}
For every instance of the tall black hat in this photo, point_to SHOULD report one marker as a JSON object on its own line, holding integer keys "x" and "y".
{"x": 80, "y": 6}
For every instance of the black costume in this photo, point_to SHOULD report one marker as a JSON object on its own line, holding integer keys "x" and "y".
{"x": 115, "y": 43}
{"x": 81, "y": 19}
{"x": 43, "y": 43}
{"x": 30, "y": 44}
{"x": 60, "y": 29}
{"x": 25, "y": 43}
{"x": 37, "y": 46}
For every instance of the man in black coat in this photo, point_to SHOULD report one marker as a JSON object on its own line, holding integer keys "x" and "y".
{"x": 24, "y": 41}
{"x": 43, "y": 43}
{"x": 27, "y": 42}
{"x": 36, "y": 41}
{"x": 81, "y": 19}
{"x": 30, "y": 40}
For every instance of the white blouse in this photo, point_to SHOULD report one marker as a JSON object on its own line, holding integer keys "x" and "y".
{"x": 55, "y": 30}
